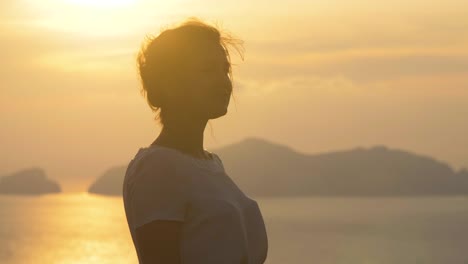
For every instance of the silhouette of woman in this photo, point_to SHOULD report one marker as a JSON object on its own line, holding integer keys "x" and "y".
{"x": 181, "y": 206}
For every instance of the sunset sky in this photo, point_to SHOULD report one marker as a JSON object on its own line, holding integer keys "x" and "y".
{"x": 318, "y": 76}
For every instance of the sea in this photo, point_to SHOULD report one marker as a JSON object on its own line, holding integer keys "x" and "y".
{"x": 83, "y": 228}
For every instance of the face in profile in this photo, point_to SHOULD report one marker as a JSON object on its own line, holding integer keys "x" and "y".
{"x": 205, "y": 86}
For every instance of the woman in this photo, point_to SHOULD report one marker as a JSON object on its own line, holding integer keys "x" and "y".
{"x": 180, "y": 204}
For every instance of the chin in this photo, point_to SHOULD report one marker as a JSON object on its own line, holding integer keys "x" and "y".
{"x": 219, "y": 113}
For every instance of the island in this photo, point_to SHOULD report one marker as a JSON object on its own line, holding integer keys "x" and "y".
{"x": 32, "y": 181}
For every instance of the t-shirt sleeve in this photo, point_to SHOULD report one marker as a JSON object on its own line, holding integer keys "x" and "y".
{"x": 157, "y": 192}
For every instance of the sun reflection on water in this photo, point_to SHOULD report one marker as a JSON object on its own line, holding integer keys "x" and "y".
{"x": 69, "y": 228}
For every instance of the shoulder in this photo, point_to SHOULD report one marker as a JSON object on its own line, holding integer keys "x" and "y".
{"x": 157, "y": 158}
{"x": 153, "y": 164}
{"x": 154, "y": 154}
{"x": 216, "y": 156}
{"x": 156, "y": 173}
{"x": 218, "y": 159}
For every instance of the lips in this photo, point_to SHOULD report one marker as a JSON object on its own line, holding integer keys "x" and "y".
{"x": 223, "y": 98}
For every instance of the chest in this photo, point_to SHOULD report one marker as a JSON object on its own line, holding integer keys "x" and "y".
{"x": 221, "y": 213}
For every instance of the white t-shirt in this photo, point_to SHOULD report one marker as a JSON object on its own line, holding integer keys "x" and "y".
{"x": 221, "y": 224}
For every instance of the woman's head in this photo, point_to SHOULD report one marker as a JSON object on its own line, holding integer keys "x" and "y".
{"x": 186, "y": 71}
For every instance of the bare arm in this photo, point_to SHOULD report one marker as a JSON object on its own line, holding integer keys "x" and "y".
{"x": 159, "y": 242}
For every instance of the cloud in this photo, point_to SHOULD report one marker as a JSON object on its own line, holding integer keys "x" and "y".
{"x": 362, "y": 66}
{"x": 310, "y": 85}
{"x": 364, "y": 41}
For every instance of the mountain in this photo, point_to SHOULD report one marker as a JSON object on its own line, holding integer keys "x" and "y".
{"x": 265, "y": 168}
{"x": 110, "y": 183}
{"x": 31, "y": 181}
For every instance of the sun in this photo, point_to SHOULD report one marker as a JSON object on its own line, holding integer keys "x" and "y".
{"x": 93, "y": 35}
{"x": 86, "y": 18}
{"x": 102, "y": 3}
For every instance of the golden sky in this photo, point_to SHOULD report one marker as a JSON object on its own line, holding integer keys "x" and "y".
{"x": 317, "y": 76}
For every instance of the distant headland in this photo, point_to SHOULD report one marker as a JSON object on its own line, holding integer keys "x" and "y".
{"x": 264, "y": 168}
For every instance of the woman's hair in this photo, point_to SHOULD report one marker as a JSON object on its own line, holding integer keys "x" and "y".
{"x": 161, "y": 59}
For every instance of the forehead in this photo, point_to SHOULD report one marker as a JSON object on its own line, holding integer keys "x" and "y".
{"x": 209, "y": 53}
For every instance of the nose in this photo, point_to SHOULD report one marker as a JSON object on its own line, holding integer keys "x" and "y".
{"x": 226, "y": 89}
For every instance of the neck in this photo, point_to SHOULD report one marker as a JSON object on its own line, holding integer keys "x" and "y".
{"x": 184, "y": 134}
